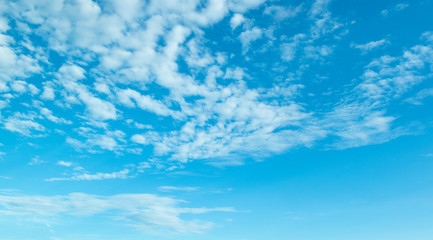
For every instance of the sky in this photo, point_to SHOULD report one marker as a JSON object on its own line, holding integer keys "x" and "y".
{"x": 217, "y": 119}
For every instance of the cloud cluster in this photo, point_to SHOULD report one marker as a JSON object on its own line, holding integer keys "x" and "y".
{"x": 118, "y": 76}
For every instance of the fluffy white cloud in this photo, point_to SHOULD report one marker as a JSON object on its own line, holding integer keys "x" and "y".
{"x": 24, "y": 124}
{"x": 64, "y": 163}
{"x": 109, "y": 140}
{"x": 324, "y": 23}
{"x": 317, "y": 52}
{"x": 280, "y": 13}
{"x": 48, "y": 93}
{"x": 249, "y": 36}
{"x": 244, "y": 5}
{"x": 49, "y": 115}
{"x": 236, "y": 20}
{"x": 144, "y": 102}
{"x": 97, "y": 108}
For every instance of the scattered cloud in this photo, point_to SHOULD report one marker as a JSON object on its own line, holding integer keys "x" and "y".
{"x": 420, "y": 96}
{"x": 397, "y": 8}
{"x": 24, "y": 124}
{"x": 132, "y": 76}
{"x": 248, "y": 36}
{"x": 36, "y": 161}
{"x": 108, "y": 140}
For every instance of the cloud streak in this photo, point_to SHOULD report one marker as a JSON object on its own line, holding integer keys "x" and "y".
{"x": 147, "y": 212}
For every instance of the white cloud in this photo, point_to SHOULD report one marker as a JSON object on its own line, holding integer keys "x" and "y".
{"x": 114, "y": 59}
{"x": 244, "y": 5}
{"x": 7, "y": 58}
{"x": 236, "y": 20}
{"x": 363, "y": 129}
{"x": 19, "y": 86}
{"x": 109, "y": 140}
{"x": 401, "y": 6}
{"x": 148, "y": 212}
{"x": 281, "y": 13}
{"x": 105, "y": 142}
{"x": 144, "y": 102}
{"x": 391, "y": 77}
{"x": 36, "y": 161}
{"x": 324, "y": 23}
{"x": 23, "y": 124}
{"x": 303, "y": 45}
{"x": 317, "y": 52}
{"x": 420, "y": 96}
{"x": 117, "y": 62}
{"x": 370, "y": 45}
{"x": 139, "y": 139}
{"x": 48, "y": 93}
{"x": 249, "y": 36}
{"x": 49, "y": 115}
{"x": 123, "y": 174}
{"x": 129, "y": 10}
{"x": 65, "y": 164}
{"x": 288, "y": 51}
{"x": 428, "y": 36}
{"x": 97, "y": 108}
{"x": 138, "y": 125}
{"x": 173, "y": 188}
{"x": 361, "y": 118}
{"x": 237, "y": 73}
{"x": 397, "y": 8}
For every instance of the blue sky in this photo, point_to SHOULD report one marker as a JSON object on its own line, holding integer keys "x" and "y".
{"x": 218, "y": 119}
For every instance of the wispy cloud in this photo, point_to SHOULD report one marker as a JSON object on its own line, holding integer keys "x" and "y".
{"x": 281, "y": 12}
{"x": 174, "y": 188}
{"x": 397, "y": 8}
{"x": 420, "y": 96}
{"x": 370, "y": 45}
{"x": 24, "y": 124}
{"x": 123, "y": 174}
{"x": 148, "y": 212}
{"x": 36, "y": 161}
